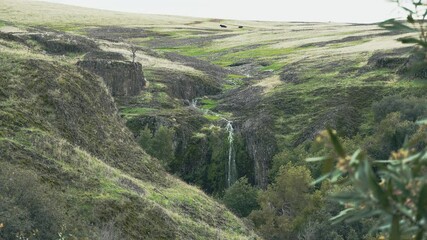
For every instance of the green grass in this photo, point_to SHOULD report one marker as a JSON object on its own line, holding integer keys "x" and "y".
{"x": 235, "y": 76}
{"x": 131, "y": 112}
{"x": 209, "y": 104}
{"x": 276, "y": 66}
{"x": 211, "y": 117}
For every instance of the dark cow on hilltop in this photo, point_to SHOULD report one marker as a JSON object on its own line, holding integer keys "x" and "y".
{"x": 223, "y": 26}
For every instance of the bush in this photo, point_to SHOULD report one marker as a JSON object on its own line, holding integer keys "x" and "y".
{"x": 159, "y": 145}
{"x": 390, "y": 135}
{"x": 241, "y": 198}
{"x": 411, "y": 109}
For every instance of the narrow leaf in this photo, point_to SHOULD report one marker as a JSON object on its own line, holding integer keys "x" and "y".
{"x": 316, "y": 159}
{"x": 395, "y": 228}
{"x": 422, "y": 203}
{"x": 337, "y": 145}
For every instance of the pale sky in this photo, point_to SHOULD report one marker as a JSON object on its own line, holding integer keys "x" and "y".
{"x": 357, "y": 11}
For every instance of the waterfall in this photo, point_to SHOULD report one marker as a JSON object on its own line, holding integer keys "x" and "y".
{"x": 232, "y": 171}
{"x": 231, "y": 165}
{"x": 194, "y": 103}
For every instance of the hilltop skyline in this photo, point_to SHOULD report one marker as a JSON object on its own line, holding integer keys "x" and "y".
{"x": 362, "y": 11}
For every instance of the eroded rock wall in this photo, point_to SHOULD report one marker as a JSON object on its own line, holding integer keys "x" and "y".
{"x": 122, "y": 78}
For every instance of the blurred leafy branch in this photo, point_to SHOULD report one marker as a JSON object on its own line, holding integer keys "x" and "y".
{"x": 393, "y": 192}
{"x": 415, "y": 22}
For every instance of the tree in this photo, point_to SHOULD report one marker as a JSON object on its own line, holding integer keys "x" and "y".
{"x": 241, "y": 198}
{"x": 159, "y": 145}
{"x": 145, "y": 139}
{"x": 133, "y": 50}
{"x": 284, "y": 204}
{"x": 162, "y": 145}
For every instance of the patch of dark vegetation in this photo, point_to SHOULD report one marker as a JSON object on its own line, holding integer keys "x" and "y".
{"x": 343, "y": 113}
{"x": 343, "y": 40}
{"x": 344, "y": 118}
{"x": 289, "y": 74}
{"x": 303, "y": 30}
{"x": 411, "y": 109}
{"x": 27, "y": 211}
{"x": 115, "y": 34}
{"x": 238, "y": 64}
{"x": 210, "y": 69}
{"x": 290, "y": 103}
{"x": 61, "y": 43}
{"x": 167, "y": 41}
{"x": 391, "y": 60}
{"x": 252, "y": 69}
{"x": 102, "y": 55}
{"x": 347, "y": 39}
{"x": 125, "y": 182}
{"x": 12, "y": 38}
{"x": 122, "y": 78}
{"x": 194, "y": 23}
{"x": 408, "y": 61}
{"x": 244, "y": 101}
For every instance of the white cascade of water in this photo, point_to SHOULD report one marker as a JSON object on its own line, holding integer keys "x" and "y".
{"x": 194, "y": 103}
{"x": 231, "y": 168}
{"x": 232, "y": 171}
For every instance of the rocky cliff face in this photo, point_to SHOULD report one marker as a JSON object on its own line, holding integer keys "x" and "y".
{"x": 187, "y": 86}
{"x": 260, "y": 145}
{"x": 122, "y": 78}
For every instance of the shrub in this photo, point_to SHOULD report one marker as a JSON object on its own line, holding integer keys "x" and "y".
{"x": 390, "y": 135}
{"x": 241, "y": 198}
{"x": 411, "y": 108}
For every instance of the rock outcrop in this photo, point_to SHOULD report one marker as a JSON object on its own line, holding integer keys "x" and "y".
{"x": 123, "y": 79}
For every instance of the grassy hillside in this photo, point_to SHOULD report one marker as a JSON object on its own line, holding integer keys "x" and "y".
{"x": 60, "y": 131}
{"x": 279, "y": 84}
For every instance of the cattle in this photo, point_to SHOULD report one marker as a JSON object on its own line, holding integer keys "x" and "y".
{"x": 223, "y": 26}
{"x": 240, "y": 26}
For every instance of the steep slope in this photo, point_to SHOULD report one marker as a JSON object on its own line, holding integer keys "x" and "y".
{"x": 278, "y": 83}
{"x": 59, "y": 128}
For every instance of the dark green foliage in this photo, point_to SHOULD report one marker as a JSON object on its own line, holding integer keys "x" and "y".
{"x": 144, "y": 139}
{"x": 284, "y": 204}
{"x": 159, "y": 145}
{"x": 284, "y": 157}
{"x": 390, "y": 135}
{"x": 410, "y": 108}
{"x": 241, "y": 198}
{"x": 162, "y": 145}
